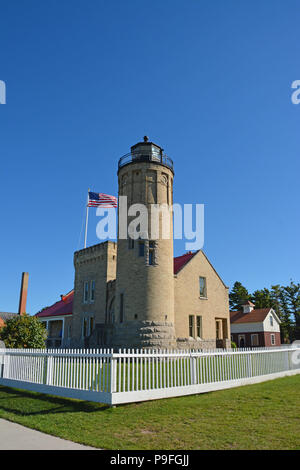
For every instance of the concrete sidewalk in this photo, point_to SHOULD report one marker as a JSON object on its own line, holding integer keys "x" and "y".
{"x": 16, "y": 437}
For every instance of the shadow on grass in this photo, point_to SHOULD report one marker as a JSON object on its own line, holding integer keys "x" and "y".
{"x": 64, "y": 405}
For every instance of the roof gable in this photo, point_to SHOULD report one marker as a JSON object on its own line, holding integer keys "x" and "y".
{"x": 62, "y": 307}
{"x": 181, "y": 261}
{"x": 255, "y": 316}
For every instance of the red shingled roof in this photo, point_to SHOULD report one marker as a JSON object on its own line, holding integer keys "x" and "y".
{"x": 181, "y": 261}
{"x": 62, "y": 307}
{"x": 255, "y": 316}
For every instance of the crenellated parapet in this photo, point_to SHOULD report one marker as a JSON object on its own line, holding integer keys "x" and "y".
{"x": 95, "y": 253}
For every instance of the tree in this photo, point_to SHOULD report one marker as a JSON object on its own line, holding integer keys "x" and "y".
{"x": 292, "y": 293}
{"x": 24, "y": 331}
{"x": 238, "y": 296}
{"x": 280, "y": 305}
{"x": 262, "y": 298}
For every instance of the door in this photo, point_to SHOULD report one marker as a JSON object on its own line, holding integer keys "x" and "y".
{"x": 242, "y": 341}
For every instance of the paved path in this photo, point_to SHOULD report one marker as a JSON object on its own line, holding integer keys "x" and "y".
{"x": 16, "y": 437}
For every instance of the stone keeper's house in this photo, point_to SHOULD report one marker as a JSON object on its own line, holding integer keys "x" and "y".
{"x": 134, "y": 293}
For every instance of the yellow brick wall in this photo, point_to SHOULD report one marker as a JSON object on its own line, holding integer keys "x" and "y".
{"x": 188, "y": 301}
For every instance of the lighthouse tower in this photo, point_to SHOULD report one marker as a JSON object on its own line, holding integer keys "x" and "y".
{"x": 144, "y": 302}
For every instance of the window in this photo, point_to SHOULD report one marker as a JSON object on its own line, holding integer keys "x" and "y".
{"x": 121, "y": 308}
{"x": 86, "y": 292}
{"x": 199, "y": 326}
{"x": 272, "y": 339}
{"x": 254, "y": 340}
{"x": 84, "y": 328}
{"x": 191, "y": 326}
{"x": 271, "y": 320}
{"x": 141, "y": 248}
{"x": 88, "y": 325}
{"x": 202, "y": 286}
{"x": 151, "y": 253}
{"x": 91, "y": 324}
{"x": 92, "y": 298}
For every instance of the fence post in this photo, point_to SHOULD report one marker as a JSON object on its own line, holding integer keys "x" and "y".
{"x": 2, "y": 356}
{"x": 49, "y": 369}
{"x": 249, "y": 365}
{"x": 6, "y": 361}
{"x": 194, "y": 370}
{"x": 45, "y": 370}
{"x": 113, "y": 374}
{"x": 287, "y": 359}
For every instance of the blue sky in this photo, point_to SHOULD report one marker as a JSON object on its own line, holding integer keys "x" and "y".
{"x": 208, "y": 81}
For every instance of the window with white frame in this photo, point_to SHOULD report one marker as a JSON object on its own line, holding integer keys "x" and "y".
{"x": 272, "y": 339}
{"x": 271, "y": 320}
{"x": 202, "y": 286}
{"x": 254, "y": 340}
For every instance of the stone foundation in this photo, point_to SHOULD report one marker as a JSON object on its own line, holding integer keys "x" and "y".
{"x": 134, "y": 335}
{"x": 190, "y": 343}
{"x": 146, "y": 334}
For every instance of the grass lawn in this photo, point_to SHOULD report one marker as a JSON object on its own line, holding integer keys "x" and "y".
{"x": 262, "y": 416}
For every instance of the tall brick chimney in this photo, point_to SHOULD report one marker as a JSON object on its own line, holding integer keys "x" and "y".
{"x": 23, "y": 294}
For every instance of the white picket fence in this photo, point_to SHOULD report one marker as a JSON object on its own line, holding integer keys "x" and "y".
{"x": 126, "y": 376}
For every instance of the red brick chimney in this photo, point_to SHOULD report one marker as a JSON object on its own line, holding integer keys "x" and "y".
{"x": 23, "y": 294}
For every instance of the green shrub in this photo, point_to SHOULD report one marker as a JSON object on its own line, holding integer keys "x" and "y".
{"x": 233, "y": 345}
{"x": 24, "y": 331}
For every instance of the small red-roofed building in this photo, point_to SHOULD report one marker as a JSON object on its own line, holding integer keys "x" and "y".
{"x": 58, "y": 321}
{"x": 251, "y": 327}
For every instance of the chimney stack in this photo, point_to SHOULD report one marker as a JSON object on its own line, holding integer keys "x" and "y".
{"x": 23, "y": 294}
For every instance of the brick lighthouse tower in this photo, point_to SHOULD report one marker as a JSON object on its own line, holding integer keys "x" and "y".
{"x": 144, "y": 302}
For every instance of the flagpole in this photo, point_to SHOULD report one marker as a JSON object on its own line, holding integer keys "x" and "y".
{"x": 86, "y": 218}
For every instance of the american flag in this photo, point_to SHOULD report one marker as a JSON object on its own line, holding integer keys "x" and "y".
{"x": 103, "y": 200}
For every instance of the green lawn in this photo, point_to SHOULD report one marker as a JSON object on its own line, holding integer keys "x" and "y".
{"x": 262, "y": 416}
